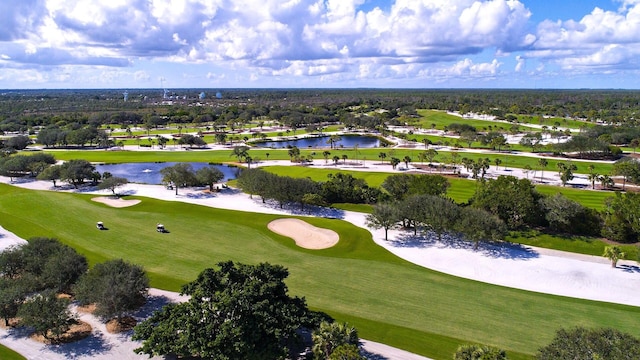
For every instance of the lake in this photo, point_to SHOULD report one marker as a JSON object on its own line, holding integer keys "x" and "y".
{"x": 149, "y": 173}
{"x": 346, "y": 141}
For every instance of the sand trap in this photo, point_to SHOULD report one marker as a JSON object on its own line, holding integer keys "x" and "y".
{"x": 304, "y": 234}
{"x": 115, "y": 202}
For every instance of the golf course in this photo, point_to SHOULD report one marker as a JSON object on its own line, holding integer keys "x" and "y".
{"x": 388, "y": 299}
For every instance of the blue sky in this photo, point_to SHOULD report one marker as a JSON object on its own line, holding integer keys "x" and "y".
{"x": 319, "y": 43}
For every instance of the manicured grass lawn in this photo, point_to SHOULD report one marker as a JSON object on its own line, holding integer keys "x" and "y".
{"x": 442, "y": 119}
{"x": 574, "y": 125}
{"x": 575, "y": 244}
{"x": 8, "y": 354}
{"x": 388, "y": 299}
{"x": 368, "y": 155}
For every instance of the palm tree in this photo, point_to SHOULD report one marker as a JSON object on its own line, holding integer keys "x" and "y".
{"x": 333, "y": 139}
{"x": 543, "y": 164}
{"x": 382, "y": 156}
{"x": 326, "y": 154}
{"x": 593, "y": 177}
{"x": 406, "y": 160}
{"x": 293, "y": 153}
{"x": 497, "y": 162}
{"x": 606, "y": 181}
{"x": 613, "y": 253}
{"x": 344, "y": 158}
{"x": 394, "y": 162}
{"x": 330, "y": 336}
{"x": 426, "y": 143}
{"x": 335, "y": 159}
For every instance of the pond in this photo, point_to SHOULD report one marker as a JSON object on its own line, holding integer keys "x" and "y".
{"x": 149, "y": 173}
{"x": 346, "y": 141}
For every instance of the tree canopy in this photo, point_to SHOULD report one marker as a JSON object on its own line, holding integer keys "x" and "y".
{"x": 237, "y": 311}
{"x": 115, "y": 286}
{"x": 513, "y": 200}
{"x": 591, "y": 344}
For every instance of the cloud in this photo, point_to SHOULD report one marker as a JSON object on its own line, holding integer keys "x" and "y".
{"x": 600, "y": 41}
{"x": 520, "y": 63}
{"x": 19, "y": 18}
{"x": 296, "y": 30}
{"x": 325, "y": 40}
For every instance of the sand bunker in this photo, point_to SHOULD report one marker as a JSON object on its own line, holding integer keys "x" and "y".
{"x": 115, "y": 202}
{"x": 304, "y": 234}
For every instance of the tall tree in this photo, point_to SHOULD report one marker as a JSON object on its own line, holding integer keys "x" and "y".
{"x": 384, "y": 216}
{"x": 47, "y": 314}
{"x": 209, "y": 175}
{"x": 112, "y": 183}
{"x": 115, "y": 286}
{"x": 235, "y": 312}
{"x": 76, "y": 171}
{"x": 513, "y": 200}
{"x": 628, "y": 168}
{"x": 179, "y": 175}
{"x": 543, "y": 164}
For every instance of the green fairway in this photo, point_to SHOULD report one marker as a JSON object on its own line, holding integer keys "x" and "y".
{"x": 441, "y": 119}
{"x": 388, "y": 299}
{"x": 366, "y": 155}
{"x": 8, "y": 354}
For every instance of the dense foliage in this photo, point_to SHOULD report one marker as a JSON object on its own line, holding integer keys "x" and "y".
{"x": 116, "y": 287}
{"x": 479, "y": 352}
{"x": 30, "y": 277}
{"x": 591, "y": 344}
{"x": 235, "y": 312}
{"x": 339, "y": 188}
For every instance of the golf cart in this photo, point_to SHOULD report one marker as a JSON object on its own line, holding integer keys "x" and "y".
{"x": 160, "y": 228}
{"x": 100, "y": 226}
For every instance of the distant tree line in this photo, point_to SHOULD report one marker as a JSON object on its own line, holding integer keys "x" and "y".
{"x": 23, "y": 111}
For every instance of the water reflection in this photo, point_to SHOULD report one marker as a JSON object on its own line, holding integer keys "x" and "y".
{"x": 149, "y": 173}
{"x": 346, "y": 141}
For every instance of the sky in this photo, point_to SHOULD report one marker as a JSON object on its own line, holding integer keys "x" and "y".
{"x": 127, "y": 44}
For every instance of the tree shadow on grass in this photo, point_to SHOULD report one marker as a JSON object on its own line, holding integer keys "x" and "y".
{"x": 502, "y": 250}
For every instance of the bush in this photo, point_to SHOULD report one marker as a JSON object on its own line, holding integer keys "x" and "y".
{"x": 582, "y": 343}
